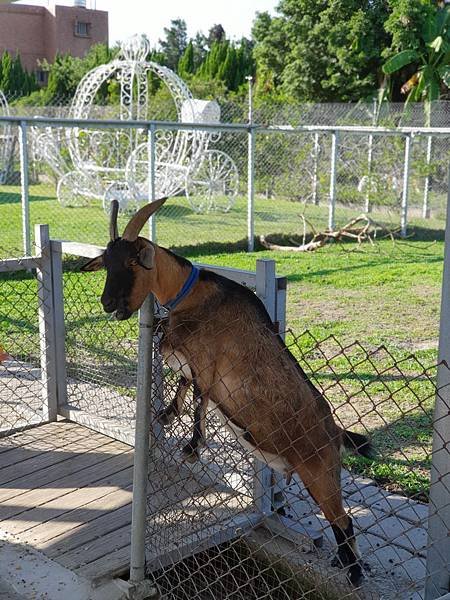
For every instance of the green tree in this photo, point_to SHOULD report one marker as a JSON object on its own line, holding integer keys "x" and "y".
{"x": 15, "y": 81}
{"x": 317, "y": 50}
{"x": 175, "y": 42}
{"x": 421, "y": 35}
{"x": 186, "y": 64}
{"x": 216, "y": 35}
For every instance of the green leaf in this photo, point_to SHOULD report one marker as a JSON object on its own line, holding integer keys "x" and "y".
{"x": 433, "y": 89}
{"x": 444, "y": 74}
{"x": 442, "y": 19}
{"x": 436, "y": 43}
{"x": 430, "y": 30}
{"x": 399, "y": 61}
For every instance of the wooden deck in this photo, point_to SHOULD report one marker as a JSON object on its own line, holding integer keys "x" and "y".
{"x": 66, "y": 491}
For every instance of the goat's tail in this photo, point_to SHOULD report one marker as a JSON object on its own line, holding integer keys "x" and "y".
{"x": 355, "y": 442}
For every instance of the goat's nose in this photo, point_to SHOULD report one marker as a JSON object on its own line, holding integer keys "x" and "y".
{"x": 109, "y": 304}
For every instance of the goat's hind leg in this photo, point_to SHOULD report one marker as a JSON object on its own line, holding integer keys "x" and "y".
{"x": 166, "y": 416}
{"x": 191, "y": 450}
{"x": 321, "y": 477}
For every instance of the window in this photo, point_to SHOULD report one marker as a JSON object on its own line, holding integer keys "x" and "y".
{"x": 82, "y": 29}
{"x": 41, "y": 77}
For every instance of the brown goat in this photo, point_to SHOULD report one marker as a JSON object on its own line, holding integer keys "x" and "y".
{"x": 219, "y": 335}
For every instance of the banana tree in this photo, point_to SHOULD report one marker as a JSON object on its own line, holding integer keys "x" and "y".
{"x": 432, "y": 58}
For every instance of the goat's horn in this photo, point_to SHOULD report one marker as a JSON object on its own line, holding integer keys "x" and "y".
{"x": 113, "y": 231}
{"x": 135, "y": 225}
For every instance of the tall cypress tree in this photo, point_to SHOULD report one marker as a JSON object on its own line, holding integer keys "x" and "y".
{"x": 186, "y": 64}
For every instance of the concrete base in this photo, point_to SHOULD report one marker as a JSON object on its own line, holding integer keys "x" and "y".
{"x": 29, "y": 575}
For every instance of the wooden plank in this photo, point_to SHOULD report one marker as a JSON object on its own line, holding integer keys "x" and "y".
{"x": 33, "y": 461}
{"x": 44, "y": 504}
{"x": 51, "y": 475}
{"x": 112, "y": 565}
{"x": 10, "y": 265}
{"x": 96, "y": 549}
{"x": 81, "y": 249}
{"x": 40, "y": 432}
{"x": 110, "y": 427}
{"x": 84, "y": 532}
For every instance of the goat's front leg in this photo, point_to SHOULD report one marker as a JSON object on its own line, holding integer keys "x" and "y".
{"x": 191, "y": 450}
{"x": 166, "y": 416}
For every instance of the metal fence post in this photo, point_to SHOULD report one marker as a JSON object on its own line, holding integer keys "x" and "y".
{"x": 266, "y": 292}
{"x": 438, "y": 553}
{"x": 334, "y": 158}
{"x": 151, "y": 147}
{"x": 59, "y": 326}
{"x": 46, "y": 324}
{"x": 315, "y": 178}
{"x": 367, "y": 207}
{"x": 405, "y": 190}
{"x": 251, "y": 190}
{"x": 26, "y": 234}
{"x": 142, "y": 442}
{"x": 426, "y": 189}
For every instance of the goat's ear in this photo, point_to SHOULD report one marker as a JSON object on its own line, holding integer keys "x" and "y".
{"x": 146, "y": 256}
{"x": 94, "y": 265}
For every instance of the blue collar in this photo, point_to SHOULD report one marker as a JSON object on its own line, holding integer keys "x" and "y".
{"x": 188, "y": 285}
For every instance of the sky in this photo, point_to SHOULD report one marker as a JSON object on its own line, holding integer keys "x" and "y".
{"x": 127, "y": 17}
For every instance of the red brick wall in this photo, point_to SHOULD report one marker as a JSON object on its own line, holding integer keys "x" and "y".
{"x": 66, "y": 40}
{"x": 38, "y": 32}
{"x": 21, "y": 29}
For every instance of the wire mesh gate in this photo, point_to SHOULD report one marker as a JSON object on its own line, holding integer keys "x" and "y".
{"x": 200, "y": 536}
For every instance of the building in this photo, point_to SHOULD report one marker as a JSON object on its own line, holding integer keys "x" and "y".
{"x": 38, "y": 32}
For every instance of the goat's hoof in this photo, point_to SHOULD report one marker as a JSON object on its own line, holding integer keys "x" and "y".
{"x": 165, "y": 417}
{"x": 355, "y": 575}
{"x": 190, "y": 454}
{"x": 354, "y": 571}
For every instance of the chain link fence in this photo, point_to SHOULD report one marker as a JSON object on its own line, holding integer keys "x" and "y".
{"x": 220, "y": 524}
{"x": 218, "y": 180}
{"x": 23, "y": 377}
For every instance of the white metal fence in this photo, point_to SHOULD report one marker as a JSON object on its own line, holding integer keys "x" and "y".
{"x": 327, "y": 173}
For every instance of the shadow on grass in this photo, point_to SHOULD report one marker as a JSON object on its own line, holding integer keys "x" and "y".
{"x": 15, "y": 198}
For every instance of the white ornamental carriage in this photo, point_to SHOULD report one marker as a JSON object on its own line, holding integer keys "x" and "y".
{"x": 115, "y": 163}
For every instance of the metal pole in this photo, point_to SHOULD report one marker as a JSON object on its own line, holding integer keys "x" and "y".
{"x": 46, "y": 315}
{"x": 250, "y": 172}
{"x": 332, "y": 201}
{"x": 406, "y": 165}
{"x": 426, "y": 189}
{"x": 315, "y": 182}
{"x": 438, "y": 553}
{"x": 152, "y": 177}
{"x": 266, "y": 291}
{"x": 26, "y": 233}
{"x": 142, "y": 442}
{"x": 367, "y": 207}
{"x": 251, "y": 191}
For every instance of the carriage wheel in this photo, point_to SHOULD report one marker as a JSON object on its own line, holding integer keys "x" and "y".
{"x": 212, "y": 183}
{"x": 120, "y": 191}
{"x": 71, "y": 189}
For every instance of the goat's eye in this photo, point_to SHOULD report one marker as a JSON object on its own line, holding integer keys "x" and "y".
{"x": 132, "y": 262}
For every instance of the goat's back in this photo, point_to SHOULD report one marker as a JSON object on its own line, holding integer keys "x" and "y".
{"x": 237, "y": 358}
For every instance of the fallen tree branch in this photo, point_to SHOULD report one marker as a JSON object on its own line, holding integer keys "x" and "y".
{"x": 366, "y": 232}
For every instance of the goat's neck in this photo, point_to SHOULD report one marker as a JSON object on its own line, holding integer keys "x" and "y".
{"x": 168, "y": 276}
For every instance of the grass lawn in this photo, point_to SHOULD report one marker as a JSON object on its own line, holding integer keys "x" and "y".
{"x": 383, "y": 295}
